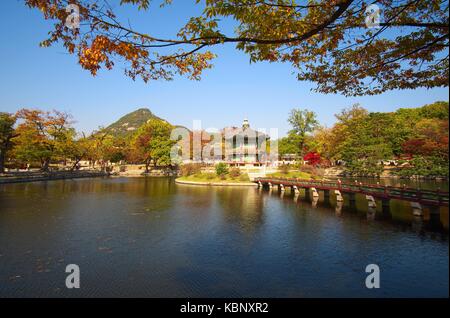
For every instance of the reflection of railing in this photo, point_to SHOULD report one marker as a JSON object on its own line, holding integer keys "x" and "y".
{"x": 426, "y": 197}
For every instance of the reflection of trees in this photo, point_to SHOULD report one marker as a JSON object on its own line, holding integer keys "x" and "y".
{"x": 243, "y": 205}
{"x": 154, "y": 192}
{"x": 196, "y": 198}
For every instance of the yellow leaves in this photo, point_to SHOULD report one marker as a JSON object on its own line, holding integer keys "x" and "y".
{"x": 101, "y": 50}
{"x": 322, "y": 39}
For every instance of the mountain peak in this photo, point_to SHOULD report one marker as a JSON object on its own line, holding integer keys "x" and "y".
{"x": 142, "y": 110}
{"x": 129, "y": 123}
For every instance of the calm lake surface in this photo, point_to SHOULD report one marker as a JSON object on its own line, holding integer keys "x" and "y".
{"x": 149, "y": 237}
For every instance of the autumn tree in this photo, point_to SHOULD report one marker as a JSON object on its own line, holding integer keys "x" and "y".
{"x": 430, "y": 138}
{"x": 427, "y": 142}
{"x": 78, "y": 149}
{"x": 322, "y": 143}
{"x": 337, "y": 44}
{"x": 152, "y": 143}
{"x": 43, "y": 136}
{"x": 313, "y": 158}
{"x": 103, "y": 148}
{"x": 7, "y": 133}
{"x": 364, "y": 140}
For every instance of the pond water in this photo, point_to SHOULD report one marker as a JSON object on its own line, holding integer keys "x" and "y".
{"x": 149, "y": 237}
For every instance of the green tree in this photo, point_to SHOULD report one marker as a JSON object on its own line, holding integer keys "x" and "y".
{"x": 152, "y": 143}
{"x": 287, "y": 145}
{"x": 348, "y": 121}
{"x": 7, "y": 122}
{"x": 437, "y": 110}
{"x": 221, "y": 169}
{"x": 303, "y": 122}
{"x": 363, "y": 140}
{"x": 363, "y": 153}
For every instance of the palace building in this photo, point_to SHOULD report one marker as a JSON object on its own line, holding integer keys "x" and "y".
{"x": 244, "y": 145}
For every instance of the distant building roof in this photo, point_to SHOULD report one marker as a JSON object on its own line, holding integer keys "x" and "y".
{"x": 244, "y": 131}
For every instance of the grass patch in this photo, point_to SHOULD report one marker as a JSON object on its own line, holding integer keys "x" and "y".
{"x": 291, "y": 174}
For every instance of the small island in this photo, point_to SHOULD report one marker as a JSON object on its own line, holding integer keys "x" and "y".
{"x": 222, "y": 175}
{"x": 194, "y": 174}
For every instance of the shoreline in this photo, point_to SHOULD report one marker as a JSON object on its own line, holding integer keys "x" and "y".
{"x": 35, "y": 176}
{"x": 216, "y": 184}
{"x": 391, "y": 177}
{"x": 340, "y": 173}
{"x": 24, "y": 177}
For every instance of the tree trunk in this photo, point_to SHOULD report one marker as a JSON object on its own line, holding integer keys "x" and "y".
{"x": 45, "y": 164}
{"x": 2, "y": 160}
{"x": 3, "y": 150}
{"x": 147, "y": 164}
{"x": 75, "y": 164}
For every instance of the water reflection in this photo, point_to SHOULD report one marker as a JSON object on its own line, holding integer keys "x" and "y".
{"x": 152, "y": 237}
{"x": 314, "y": 202}
{"x": 338, "y": 209}
{"x": 371, "y": 212}
{"x": 418, "y": 225}
{"x": 393, "y": 211}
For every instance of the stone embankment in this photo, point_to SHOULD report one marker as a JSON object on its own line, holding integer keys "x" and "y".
{"x": 31, "y": 176}
{"x": 152, "y": 173}
{"x": 217, "y": 184}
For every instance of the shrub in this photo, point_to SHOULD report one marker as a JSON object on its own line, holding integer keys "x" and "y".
{"x": 221, "y": 169}
{"x": 190, "y": 169}
{"x": 284, "y": 169}
{"x": 429, "y": 166}
{"x": 313, "y": 158}
{"x": 123, "y": 168}
{"x": 313, "y": 171}
{"x": 235, "y": 172}
{"x": 209, "y": 176}
{"x": 307, "y": 168}
{"x": 244, "y": 177}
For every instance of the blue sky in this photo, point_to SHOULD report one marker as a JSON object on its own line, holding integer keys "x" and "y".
{"x": 49, "y": 78}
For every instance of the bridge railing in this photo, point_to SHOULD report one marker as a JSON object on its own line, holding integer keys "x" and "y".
{"x": 406, "y": 193}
